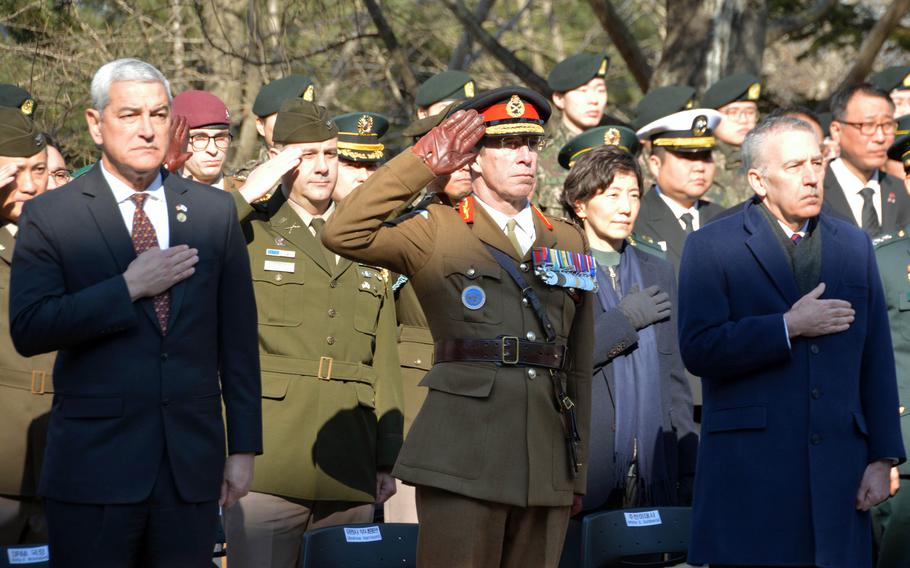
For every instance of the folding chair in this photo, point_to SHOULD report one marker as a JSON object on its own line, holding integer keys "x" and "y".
{"x": 372, "y": 545}
{"x": 24, "y": 556}
{"x": 646, "y": 537}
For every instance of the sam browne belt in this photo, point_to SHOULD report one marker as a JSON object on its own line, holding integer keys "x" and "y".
{"x": 507, "y": 350}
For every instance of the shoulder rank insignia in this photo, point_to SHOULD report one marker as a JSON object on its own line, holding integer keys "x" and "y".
{"x": 564, "y": 268}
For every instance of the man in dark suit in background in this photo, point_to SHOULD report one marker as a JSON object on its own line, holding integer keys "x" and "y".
{"x": 140, "y": 280}
{"x": 782, "y": 315}
{"x": 856, "y": 187}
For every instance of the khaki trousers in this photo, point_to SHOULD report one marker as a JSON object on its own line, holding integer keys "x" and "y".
{"x": 266, "y": 531}
{"x": 22, "y": 521}
{"x": 402, "y": 506}
{"x": 471, "y": 533}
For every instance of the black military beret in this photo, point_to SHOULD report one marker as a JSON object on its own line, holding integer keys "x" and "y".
{"x": 449, "y": 85}
{"x": 17, "y": 97}
{"x": 576, "y": 70}
{"x": 739, "y": 87}
{"x": 301, "y": 121}
{"x": 611, "y": 135}
{"x": 359, "y": 134}
{"x": 273, "y": 95}
{"x": 510, "y": 110}
{"x": 19, "y": 137}
{"x": 900, "y": 149}
{"x": 661, "y": 102}
{"x": 897, "y": 77}
{"x": 824, "y": 120}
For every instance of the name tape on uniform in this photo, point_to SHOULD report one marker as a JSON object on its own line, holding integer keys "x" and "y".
{"x": 643, "y": 519}
{"x": 278, "y": 266}
{"x": 281, "y": 253}
{"x": 30, "y": 555}
{"x": 362, "y": 534}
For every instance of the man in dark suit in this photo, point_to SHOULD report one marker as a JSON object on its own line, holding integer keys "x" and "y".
{"x": 140, "y": 280}
{"x": 856, "y": 187}
{"x": 782, "y": 315}
{"x": 682, "y": 164}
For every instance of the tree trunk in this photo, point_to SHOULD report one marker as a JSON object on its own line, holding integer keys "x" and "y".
{"x": 874, "y": 40}
{"x": 624, "y": 41}
{"x": 395, "y": 50}
{"x": 461, "y": 56}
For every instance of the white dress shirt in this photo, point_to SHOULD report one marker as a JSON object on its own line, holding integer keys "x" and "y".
{"x": 524, "y": 229}
{"x": 155, "y": 206}
{"x": 678, "y": 210}
{"x": 852, "y": 185}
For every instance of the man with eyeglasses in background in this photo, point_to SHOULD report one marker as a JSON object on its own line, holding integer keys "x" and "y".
{"x": 856, "y": 187}
{"x": 209, "y": 122}
{"x": 57, "y": 173}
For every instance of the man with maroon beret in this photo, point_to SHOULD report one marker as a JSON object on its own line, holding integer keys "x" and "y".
{"x": 209, "y": 122}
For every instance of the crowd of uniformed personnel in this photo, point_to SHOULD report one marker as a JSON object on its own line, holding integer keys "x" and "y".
{"x": 385, "y": 315}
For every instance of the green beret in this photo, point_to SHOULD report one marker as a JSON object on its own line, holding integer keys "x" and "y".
{"x": 301, "y": 121}
{"x": 19, "y": 137}
{"x": 739, "y": 87}
{"x": 359, "y": 134}
{"x": 573, "y": 72}
{"x": 423, "y": 125}
{"x": 619, "y": 136}
{"x": 661, "y": 102}
{"x": 273, "y": 95}
{"x": 445, "y": 86}
{"x": 892, "y": 78}
{"x": 17, "y": 97}
{"x": 824, "y": 120}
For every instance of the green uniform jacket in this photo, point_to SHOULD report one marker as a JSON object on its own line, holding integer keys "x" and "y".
{"x": 550, "y": 175}
{"x": 486, "y": 431}
{"x": 415, "y": 350}
{"x": 25, "y": 398}
{"x": 331, "y": 385}
{"x": 730, "y": 186}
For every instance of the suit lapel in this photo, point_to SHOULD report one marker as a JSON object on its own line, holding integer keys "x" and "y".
{"x": 665, "y": 223}
{"x": 835, "y": 199}
{"x": 889, "y": 205}
{"x": 285, "y": 221}
{"x": 832, "y": 258}
{"x": 106, "y": 212}
{"x": 181, "y": 232}
{"x": 545, "y": 236}
{"x": 764, "y": 246}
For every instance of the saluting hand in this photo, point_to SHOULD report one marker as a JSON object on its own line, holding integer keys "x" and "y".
{"x": 811, "y": 317}
{"x": 450, "y": 145}
{"x": 269, "y": 173}
{"x": 8, "y": 174}
{"x": 156, "y": 270}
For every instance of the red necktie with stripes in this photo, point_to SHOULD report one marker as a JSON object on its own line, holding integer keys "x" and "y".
{"x": 795, "y": 238}
{"x": 144, "y": 238}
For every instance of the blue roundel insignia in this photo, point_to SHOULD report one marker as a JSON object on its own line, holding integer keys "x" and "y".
{"x": 473, "y": 297}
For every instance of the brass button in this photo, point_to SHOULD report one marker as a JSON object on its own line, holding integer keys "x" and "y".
{"x": 277, "y": 278}
{"x": 524, "y": 302}
{"x": 332, "y": 312}
{"x": 417, "y": 361}
{"x": 471, "y": 272}
{"x": 531, "y": 336}
{"x": 532, "y": 374}
{"x": 523, "y": 266}
{"x": 330, "y": 340}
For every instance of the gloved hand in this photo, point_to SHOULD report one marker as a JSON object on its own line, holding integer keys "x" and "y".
{"x": 643, "y": 308}
{"x": 450, "y": 145}
{"x": 179, "y": 137}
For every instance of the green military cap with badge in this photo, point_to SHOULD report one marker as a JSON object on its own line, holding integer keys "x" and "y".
{"x": 576, "y": 70}
{"x": 272, "y": 95}
{"x": 663, "y": 101}
{"x": 423, "y": 125}
{"x": 731, "y": 89}
{"x": 301, "y": 122}
{"x": 451, "y": 85}
{"x": 687, "y": 131}
{"x": 19, "y": 137}
{"x": 612, "y": 135}
{"x": 359, "y": 134}
{"x": 18, "y": 98}
{"x": 892, "y": 78}
{"x": 900, "y": 149}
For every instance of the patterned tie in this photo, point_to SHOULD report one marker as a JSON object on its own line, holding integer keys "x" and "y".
{"x": 687, "y": 219}
{"x": 868, "y": 214}
{"x": 513, "y": 238}
{"x": 795, "y": 238}
{"x": 144, "y": 238}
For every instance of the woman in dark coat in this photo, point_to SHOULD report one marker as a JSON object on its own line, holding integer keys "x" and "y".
{"x": 643, "y": 437}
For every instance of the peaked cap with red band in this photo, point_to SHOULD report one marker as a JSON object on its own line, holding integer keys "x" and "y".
{"x": 510, "y": 111}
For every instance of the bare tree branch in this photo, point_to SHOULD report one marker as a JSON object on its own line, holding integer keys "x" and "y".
{"x": 462, "y": 54}
{"x": 624, "y": 41}
{"x": 874, "y": 40}
{"x": 391, "y": 42}
{"x": 784, "y": 26}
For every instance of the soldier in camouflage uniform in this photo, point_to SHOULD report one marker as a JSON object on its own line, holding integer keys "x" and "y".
{"x": 580, "y": 93}
{"x": 735, "y": 98}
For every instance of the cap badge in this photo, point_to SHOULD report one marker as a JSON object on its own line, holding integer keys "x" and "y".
{"x": 689, "y": 104}
{"x": 39, "y": 139}
{"x": 612, "y": 137}
{"x": 469, "y": 89}
{"x": 309, "y": 94}
{"x": 603, "y": 68}
{"x": 227, "y": 115}
{"x": 754, "y": 92}
{"x": 27, "y": 107}
{"x": 700, "y": 125}
{"x": 515, "y": 107}
{"x": 364, "y": 125}
{"x": 906, "y": 81}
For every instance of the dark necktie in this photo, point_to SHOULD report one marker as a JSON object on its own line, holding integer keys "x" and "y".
{"x": 144, "y": 238}
{"x": 868, "y": 215}
{"x": 795, "y": 238}
{"x": 687, "y": 219}
{"x": 318, "y": 223}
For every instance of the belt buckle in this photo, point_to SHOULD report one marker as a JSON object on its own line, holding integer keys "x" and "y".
{"x": 506, "y": 339}
{"x": 328, "y": 370}
{"x": 38, "y": 380}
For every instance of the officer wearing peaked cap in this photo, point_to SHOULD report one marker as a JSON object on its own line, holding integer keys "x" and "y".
{"x": 580, "y": 94}
{"x": 437, "y": 92}
{"x": 496, "y": 459}
{"x": 25, "y": 383}
{"x": 331, "y": 384}
{"x": 610, "y": 135}
{"x": 658, "y": 103}
{"x": 736, "y": 98}
{"x": 896, "y": 82}
{"x": 360, "y": 151}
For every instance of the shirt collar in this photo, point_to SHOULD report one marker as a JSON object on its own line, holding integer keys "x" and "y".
{"x": 308, "y": 217}
{"x": 848, "y": 180}
{"x": 122, "y": 192}
{"x": 790, "y": 232}
{"x": 677, "y": 209}
{"x": 524, "y": 219}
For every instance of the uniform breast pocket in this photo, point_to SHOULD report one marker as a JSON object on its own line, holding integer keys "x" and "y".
{"x": 369, "y": 301}
{"x": 474, "y": 290}
{"x": 279, "y": 295}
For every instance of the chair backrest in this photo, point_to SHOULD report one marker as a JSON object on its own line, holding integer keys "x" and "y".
{"x": 373, "y": 545}
{"x": 24, "y": 556}
{"x": 610, "y": 536}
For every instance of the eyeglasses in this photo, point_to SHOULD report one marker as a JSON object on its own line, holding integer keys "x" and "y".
{"x": 61, "y": 176}
{"x": 201, "y": 141}
{"x": 514, "y": 143}
{"x": 740, "y": 114}
{"x": 868, "y": 128}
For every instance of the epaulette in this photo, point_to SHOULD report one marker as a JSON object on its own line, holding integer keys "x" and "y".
{"x": 647, "y": 244}
{"x": 888, "y": 238}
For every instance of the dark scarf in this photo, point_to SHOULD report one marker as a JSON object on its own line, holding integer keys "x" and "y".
{"x": 639, "y": 410}
{"x": 805, "y": 259}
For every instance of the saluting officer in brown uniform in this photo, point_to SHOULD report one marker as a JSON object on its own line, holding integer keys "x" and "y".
{"x": 497, "y": 464}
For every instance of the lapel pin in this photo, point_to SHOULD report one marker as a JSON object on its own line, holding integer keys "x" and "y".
{"x": 892, "y": 198}
{"x": 181, "y": 217}
{"x": 181, "y": 207}
{"x": 279, "y": 241}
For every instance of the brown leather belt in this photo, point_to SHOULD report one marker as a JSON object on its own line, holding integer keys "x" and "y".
{"x": 508, "y": 350}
